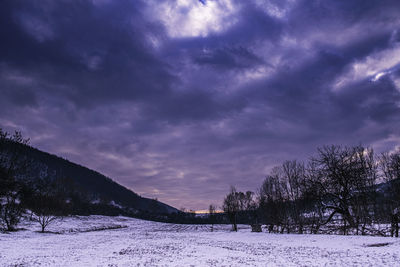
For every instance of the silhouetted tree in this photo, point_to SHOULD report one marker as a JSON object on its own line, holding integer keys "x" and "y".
{"x": 345, "y": 178}
{"x": 314, "y": 196}
{"x": 231, "y": 207}
{"x": 269, "y": 198}
{"x": 211, "y": 212}
{"x": 47, "y": 201}
{"x": 275, "y": 200}
{"x": 12, "y": 163}
{"x": 294, "y": 183}
{"x": 390, "y": 166}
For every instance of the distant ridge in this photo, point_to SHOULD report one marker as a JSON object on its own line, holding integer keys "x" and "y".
{"x": 96, "y": 187}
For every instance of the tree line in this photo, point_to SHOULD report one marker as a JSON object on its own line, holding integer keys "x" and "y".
{"x": 30, "y": 188}
{"x": 346, "y": 190}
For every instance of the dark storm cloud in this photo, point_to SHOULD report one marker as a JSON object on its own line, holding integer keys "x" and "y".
{"x": 180, "y": 100}
{"x": 343, "y": 12}
{"x": 98, "y": 53}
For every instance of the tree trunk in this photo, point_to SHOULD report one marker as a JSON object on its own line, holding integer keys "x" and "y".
{"x": 394, "y": 231}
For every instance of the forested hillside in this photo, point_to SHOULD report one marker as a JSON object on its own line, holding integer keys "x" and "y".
{"x": 90, "y": 191}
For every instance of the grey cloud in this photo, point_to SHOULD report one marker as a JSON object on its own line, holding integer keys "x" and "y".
{"x": 181, "y": 119}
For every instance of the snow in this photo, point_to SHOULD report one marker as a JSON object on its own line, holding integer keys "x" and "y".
{"x": 86, "y": 241}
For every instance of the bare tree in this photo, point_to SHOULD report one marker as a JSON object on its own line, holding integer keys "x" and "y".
{"x": 346, "y": 177}
{"x": 294, "y": 183}
{"x": 12, "y": 163}
{"x": 363, "y": 200}
{"x": 314, "y": 195}
{"x": 273, "y": 201}
{"x": 211, "y": 212}
{"x": 10, "y": 210}
{"x": 231, "y": 207}
{"x": 390, "y": 166}
{"x": 282, "y": 197}
{"x": 267, "y": 203}
{"x": 44, "y": 214}
{"x": 47, "y": 201}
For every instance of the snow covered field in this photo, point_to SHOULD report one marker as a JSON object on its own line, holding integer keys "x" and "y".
{"x": 80, "y": 241}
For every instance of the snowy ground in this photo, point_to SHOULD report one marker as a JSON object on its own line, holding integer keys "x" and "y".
{"x": 143, "y": 243}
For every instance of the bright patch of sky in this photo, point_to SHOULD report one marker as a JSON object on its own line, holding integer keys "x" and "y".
{"x": 396, "y": 82}
{"x": 188, "y": 18}
{"x": 276, "y": 9}
{"x": 374, "y": 67}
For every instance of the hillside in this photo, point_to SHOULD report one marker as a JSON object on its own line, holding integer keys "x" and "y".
{"x": 94, "y": 186}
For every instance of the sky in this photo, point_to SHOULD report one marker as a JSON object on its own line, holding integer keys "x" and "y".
{"x": 180, "y": 99}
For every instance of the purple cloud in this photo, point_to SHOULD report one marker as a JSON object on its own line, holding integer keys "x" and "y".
{"x": 181, "y": 100}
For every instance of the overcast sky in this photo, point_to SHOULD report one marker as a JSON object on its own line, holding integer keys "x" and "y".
{"x": 181, "y": 99}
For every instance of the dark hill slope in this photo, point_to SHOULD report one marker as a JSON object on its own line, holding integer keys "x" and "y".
{"x": 94, "y": 185}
